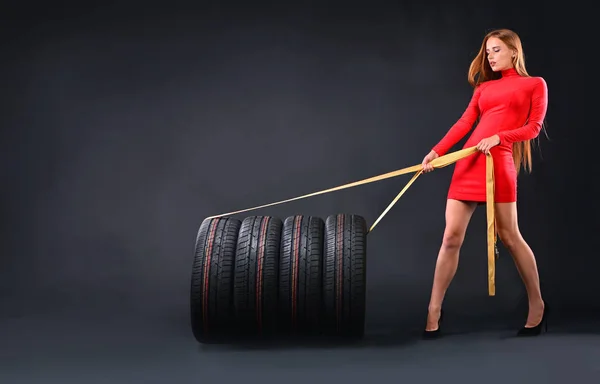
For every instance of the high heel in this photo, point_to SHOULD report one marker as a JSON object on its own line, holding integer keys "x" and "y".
{"x": 436, "y": 333}
{"x": 537, "y": 330}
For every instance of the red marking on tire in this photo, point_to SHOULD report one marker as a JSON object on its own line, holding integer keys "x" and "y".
{"x": 259, "y": 273}
{"x": 295, "y": 265}
{"x": 206, "y": 272}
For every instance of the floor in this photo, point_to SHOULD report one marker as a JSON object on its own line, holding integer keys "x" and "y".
{"x": 100, "y": 347}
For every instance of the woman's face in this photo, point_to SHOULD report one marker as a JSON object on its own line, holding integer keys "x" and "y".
{"x": 499, "y": 55}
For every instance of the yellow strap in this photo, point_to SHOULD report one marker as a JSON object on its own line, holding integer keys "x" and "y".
{"x": 491, "y": 223}
{"x": 440, "y": 162}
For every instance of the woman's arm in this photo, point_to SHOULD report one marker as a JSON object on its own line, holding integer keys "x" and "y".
{"x": 539, "y": 105}
{"x": 462, "y": 126}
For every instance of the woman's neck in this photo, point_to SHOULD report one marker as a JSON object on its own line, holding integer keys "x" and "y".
{"x": 510, "y": 72}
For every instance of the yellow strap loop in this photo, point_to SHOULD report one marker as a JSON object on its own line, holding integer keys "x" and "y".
{"x": 440, "y": 162}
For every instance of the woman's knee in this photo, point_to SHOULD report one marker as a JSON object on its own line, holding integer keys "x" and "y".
{"x": 453, "y": 239}
{"x": 458, "y": 215}
{"x": 509, "y": 237}
{"x": 508, "y": 227}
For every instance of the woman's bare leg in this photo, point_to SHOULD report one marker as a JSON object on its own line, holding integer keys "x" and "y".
{"x": 458, "y": 215}
{"x": 510, "y": 235}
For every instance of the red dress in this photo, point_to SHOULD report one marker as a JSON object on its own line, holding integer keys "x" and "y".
{"x": 512, "y": 107}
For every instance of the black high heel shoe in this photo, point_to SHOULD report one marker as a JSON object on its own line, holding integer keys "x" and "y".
{"x": 537, "y": 330}
{"x": 436, "y": 333}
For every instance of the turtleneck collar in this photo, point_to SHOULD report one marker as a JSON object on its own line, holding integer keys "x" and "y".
{"x": 511, "y": 72}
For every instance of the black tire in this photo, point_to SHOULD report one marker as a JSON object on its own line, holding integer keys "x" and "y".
{"x": 300, "y": 267}
{"x": 345, "y": 275}
{"x": 256, "y": 275}
{"x": 211, "y": 293}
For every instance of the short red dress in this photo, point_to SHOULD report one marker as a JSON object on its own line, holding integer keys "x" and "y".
{"x": 512, "y": 107}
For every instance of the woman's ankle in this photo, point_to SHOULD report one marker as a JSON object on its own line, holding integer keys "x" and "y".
{"x": 434, "y": 308}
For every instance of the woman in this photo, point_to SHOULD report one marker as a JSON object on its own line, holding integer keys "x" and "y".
{"x": 511, "y": 107}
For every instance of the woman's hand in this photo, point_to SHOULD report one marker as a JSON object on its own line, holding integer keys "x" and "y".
{"x": 428, "y": 159}
{"x": 486, "y": 144}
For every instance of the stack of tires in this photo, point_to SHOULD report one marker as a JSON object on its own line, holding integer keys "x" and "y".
{"x": 266, "y": 277}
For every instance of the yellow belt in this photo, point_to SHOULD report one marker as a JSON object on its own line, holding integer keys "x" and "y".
{"x": 440, "y": 162}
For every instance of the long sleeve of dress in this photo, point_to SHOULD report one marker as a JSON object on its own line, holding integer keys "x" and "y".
{"x": 462, "y": 126}
{"x": 539, "y": 106}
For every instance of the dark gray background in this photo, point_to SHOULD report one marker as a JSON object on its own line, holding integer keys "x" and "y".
{"x": 125, "y": 126}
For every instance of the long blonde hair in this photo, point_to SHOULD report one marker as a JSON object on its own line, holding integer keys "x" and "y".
{"x": 480, "y": 71}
